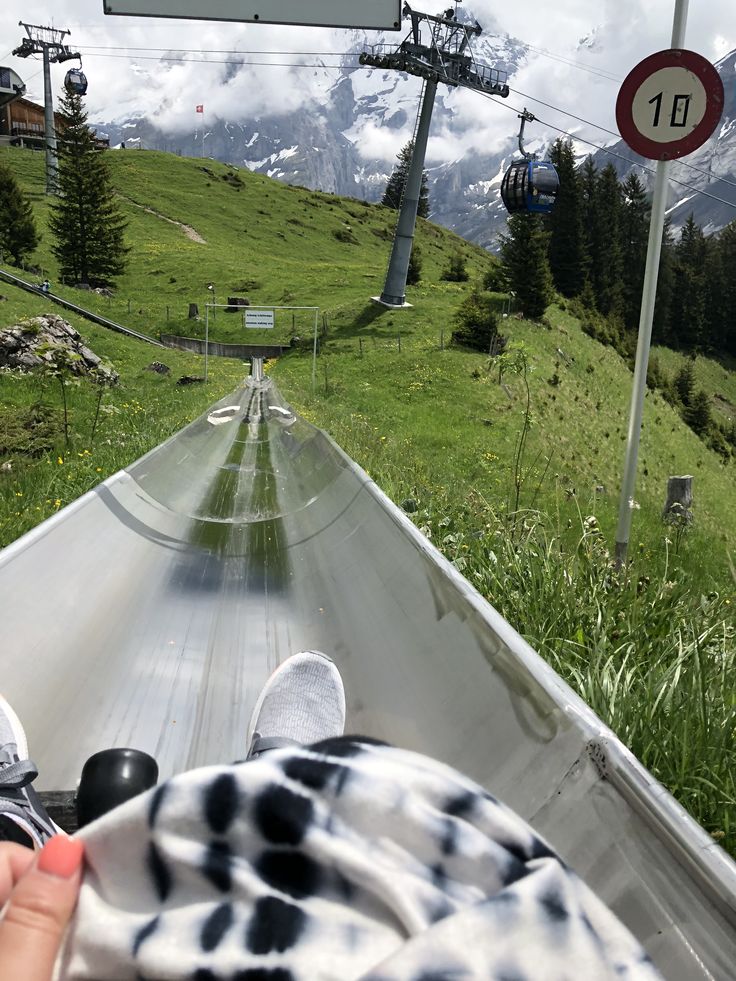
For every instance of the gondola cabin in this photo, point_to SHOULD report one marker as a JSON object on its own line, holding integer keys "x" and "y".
{"x": 76, "y": 80}
{"x": 530, "y": 186}
{"x": 11, "y": 86}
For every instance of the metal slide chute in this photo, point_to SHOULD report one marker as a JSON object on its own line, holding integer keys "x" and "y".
{"x": 149, "y": 613}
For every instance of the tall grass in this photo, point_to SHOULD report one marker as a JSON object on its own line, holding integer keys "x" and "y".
{"x": 651, "y": 655}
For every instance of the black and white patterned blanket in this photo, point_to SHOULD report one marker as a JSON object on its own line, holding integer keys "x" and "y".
{"x": 344, "y": 860}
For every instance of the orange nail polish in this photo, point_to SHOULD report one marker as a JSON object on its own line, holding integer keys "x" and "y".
{"x": 61, "y": 857}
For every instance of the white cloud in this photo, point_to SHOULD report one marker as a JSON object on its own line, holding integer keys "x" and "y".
{"x": 125, "y": 83}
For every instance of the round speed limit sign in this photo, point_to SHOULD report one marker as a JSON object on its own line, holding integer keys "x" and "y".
{"x": 669, "y": 104}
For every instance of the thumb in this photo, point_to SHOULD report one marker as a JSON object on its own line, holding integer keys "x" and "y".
{"x": 38, "y": 911}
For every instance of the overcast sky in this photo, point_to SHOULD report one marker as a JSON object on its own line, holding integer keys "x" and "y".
{"x": 617, "y": 34}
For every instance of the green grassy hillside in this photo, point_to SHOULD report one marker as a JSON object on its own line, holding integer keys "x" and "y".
{"x": 270, "y": 242}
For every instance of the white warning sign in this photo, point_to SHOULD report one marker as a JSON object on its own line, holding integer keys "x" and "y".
{"x": 259, "y": 319}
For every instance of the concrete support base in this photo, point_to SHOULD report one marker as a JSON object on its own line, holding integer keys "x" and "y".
{"x": 391, "y": 306}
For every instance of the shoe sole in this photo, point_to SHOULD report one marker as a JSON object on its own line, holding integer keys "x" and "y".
{"x": 264, "y": 691}
{"x": 16, "y": 725}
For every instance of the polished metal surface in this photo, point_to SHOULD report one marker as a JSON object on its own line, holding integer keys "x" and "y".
{"x": 150, "y": 612}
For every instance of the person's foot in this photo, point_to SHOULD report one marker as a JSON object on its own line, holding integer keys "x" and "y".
{"x": 22, "y": 815}
{"x": 302, "y": 702}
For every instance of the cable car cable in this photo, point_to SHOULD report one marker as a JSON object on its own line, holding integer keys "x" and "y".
{"x": 604, "y": 129}
{"x": 613, "y": 153}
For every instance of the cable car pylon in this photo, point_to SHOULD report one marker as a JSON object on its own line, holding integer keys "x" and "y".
{"x": 445, "y": 57}
{"x": 49, "y": 43}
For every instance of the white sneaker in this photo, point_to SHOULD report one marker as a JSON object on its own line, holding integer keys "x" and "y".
{"x": 18, "y": 800}
{"x": 302, "y": 702}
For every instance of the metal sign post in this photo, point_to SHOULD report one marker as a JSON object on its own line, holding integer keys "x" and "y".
{"x": 668, "y": 106}
{"x": 206, "y": 337}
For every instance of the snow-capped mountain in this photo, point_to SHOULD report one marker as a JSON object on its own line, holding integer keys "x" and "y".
{"x": 320, "y": 148}
{"x": 322, "y": 145}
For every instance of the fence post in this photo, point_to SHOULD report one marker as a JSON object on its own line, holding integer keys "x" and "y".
{"x": 167, "y": 313}
{"x": 128, "y": 306}
{"x": 360, "y": 341}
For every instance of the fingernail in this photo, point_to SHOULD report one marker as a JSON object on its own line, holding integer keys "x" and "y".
{"x": 61, "y": 856}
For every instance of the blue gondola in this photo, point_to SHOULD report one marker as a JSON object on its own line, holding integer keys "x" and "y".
{"x": 76, "y": 80}
{"x": 529, "y": 185}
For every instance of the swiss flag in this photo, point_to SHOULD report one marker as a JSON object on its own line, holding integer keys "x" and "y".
{"x": 199, "y": 108}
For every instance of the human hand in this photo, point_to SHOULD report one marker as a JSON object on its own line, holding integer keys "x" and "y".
{"x": 41, "y": 891}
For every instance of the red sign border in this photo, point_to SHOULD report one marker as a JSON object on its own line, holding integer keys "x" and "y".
{"x": 670, "y": 58}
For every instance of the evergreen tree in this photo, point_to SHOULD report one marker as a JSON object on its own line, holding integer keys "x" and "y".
{"x": 588, "y": 182}
{"x": 634, "y": 241}
{"x": 414, "y": 272}
{"x": 85, "y": 219}
{"x": 477, "y": 323}
{"x": 698, "y": 415}
{"x": 456, "y": 271}
{"x": 567, "y": 258}
{"x": 606, "y": 257}
{"x": 524, "y": 254}
{"x": 395, "y": 187}
{"x": 685, "y": 382}
{"x": 661, "y": 331}
{"x": 715, "y": 293}
{"x": 724, "y": 338}
{"x": 689, "y": 302}
{"x": 18, "y": 235}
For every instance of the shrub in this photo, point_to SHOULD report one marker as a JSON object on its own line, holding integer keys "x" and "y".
{"x": 494, "y": 279}
{"x": 455, "y": 271}
{"x": 345, "y": 235}
{"x": 478, "y": 324}
{"x": 414, "y": 273}
{"x": 685, "y": 382}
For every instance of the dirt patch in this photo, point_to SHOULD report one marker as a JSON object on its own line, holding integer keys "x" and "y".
{"x": 726, "y": 407}
{"x": 190, "y": 232}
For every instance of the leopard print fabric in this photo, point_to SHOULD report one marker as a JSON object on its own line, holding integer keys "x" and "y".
{"x": 342, "y": 860}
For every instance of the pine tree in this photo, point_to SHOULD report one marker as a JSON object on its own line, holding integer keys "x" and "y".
{"x": 715, "y": 290}
{"x": 684, "y": 382}
{"x": 698, "y": 415}
{"x": 567, "y": 257}
{"x": 662, "y": 328}
{"x": 588, "y": 181}
{"x": 689, "y": 301}
{"x": 723, "y": 337}
{"x": 477, "y": 322}
{"x": 395, "y": 187}
{"x": 414, "y": 272}
{"x": 18, "y": 235}
{"x": 85, "y": 219}
{"x": 634, "y": 241}
{"x": 606, "y": 256}
{"x": 524, "y": 254}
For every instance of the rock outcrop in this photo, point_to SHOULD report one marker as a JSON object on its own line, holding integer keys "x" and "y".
{"x": 31, "y": 343}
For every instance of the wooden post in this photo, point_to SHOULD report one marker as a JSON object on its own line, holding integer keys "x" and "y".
{"x": 128, "y": 306}
{"x": 677, "y": 508}
{"x": 167, "y": 313}
{"x": 360, "y": 342}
